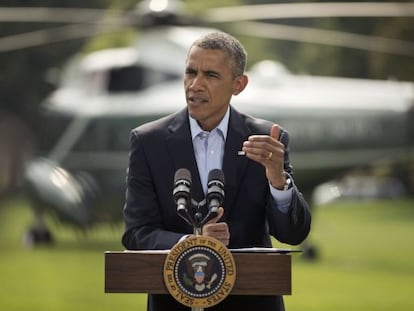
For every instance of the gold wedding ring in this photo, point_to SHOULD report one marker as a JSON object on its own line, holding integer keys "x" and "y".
{"x": 270, "y": 155}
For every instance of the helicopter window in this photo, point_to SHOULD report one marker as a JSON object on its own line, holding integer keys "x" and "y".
{"x": 135, "y": 78}
{"x": 126, "y": 79}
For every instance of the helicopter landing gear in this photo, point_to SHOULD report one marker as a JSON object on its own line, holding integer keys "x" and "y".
{"x": 38, "y": 233}
{"x": 35, "y": 236}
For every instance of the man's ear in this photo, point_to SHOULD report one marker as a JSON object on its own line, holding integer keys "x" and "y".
{"x": 240, "y": 83}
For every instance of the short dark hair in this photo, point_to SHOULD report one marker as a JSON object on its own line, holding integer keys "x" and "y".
{"x": 229, "y": 45}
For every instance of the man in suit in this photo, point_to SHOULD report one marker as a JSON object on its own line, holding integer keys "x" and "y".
{"x": 261, "y": 198}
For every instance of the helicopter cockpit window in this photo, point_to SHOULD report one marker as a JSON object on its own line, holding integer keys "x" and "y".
{"x": 135, "y": 78}
{"x": 126, "y": 79}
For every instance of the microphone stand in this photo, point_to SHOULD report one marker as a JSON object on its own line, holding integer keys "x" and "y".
{"x": 197, "y": 230}
{"x": 197, "y": 221}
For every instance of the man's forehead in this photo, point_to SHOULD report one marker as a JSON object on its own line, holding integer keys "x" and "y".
{"x": 207, "y": 57}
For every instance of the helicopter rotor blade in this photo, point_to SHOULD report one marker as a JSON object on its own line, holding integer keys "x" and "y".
{"x": 56, "y": 15}
{"x": 309, "y": 10}
{"x": 90, "y": 22}
{"x": 53, "y": 35}
{"x": 325, "y": 37}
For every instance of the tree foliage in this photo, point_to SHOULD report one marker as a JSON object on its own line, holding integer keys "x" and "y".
{"x": 23, "y": 73}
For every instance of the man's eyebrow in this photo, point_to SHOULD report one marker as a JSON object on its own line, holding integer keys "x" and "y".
{"x": 212, "y": 72}
{"x": 190, "y": 68}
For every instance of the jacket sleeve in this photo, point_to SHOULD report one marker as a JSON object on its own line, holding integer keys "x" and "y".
{"x": 294, "y": 226}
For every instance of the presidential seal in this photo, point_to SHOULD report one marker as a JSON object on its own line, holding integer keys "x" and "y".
{"x": 199, "y": 272}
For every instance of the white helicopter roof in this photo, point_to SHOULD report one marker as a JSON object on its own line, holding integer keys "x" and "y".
{"x": 279, "y": 88}
{"x": 109, "y": 58}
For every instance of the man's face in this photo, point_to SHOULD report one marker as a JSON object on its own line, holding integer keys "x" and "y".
{"x": 209, "y": 85}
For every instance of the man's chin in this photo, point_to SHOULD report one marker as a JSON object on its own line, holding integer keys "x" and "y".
{"x": 195, "y": 109}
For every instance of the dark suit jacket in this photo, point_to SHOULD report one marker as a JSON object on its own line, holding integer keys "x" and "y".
{"x": 158, "y": 149}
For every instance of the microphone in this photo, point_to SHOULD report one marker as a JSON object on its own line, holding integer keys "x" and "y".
{"x": 181, "y": 193}
{"x": 215, "y": 191}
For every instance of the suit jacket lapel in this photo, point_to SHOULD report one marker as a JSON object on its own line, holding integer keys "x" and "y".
{"x": 234, "y": 165}
{"x": 182, "y": 151}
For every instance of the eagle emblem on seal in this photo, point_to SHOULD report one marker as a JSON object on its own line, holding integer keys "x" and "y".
{"x": 199, "y": 272}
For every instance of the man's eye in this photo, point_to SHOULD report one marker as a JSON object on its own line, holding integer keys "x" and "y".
{"x": 190, "y": 72}
{"x": 212, "y": 75}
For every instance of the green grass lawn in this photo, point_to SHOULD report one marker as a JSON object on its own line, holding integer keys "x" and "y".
{"x": 366, "y": 259}
{"x": 366, "y": 262}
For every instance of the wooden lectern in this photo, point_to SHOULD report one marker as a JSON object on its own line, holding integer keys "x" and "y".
{"x": 258, "y": 272}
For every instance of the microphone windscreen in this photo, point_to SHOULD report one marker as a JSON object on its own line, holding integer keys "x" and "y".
{"x": 216, "y": 174}
{"x": 182, "y": 174}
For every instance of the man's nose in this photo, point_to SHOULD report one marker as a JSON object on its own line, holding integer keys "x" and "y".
{"x": 197, "y": 83}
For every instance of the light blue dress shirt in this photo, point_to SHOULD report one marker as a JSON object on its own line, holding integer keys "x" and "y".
{"x": 209, "y": 151}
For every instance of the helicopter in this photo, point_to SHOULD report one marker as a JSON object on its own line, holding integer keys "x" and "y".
{"x": 79, "y": 175}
